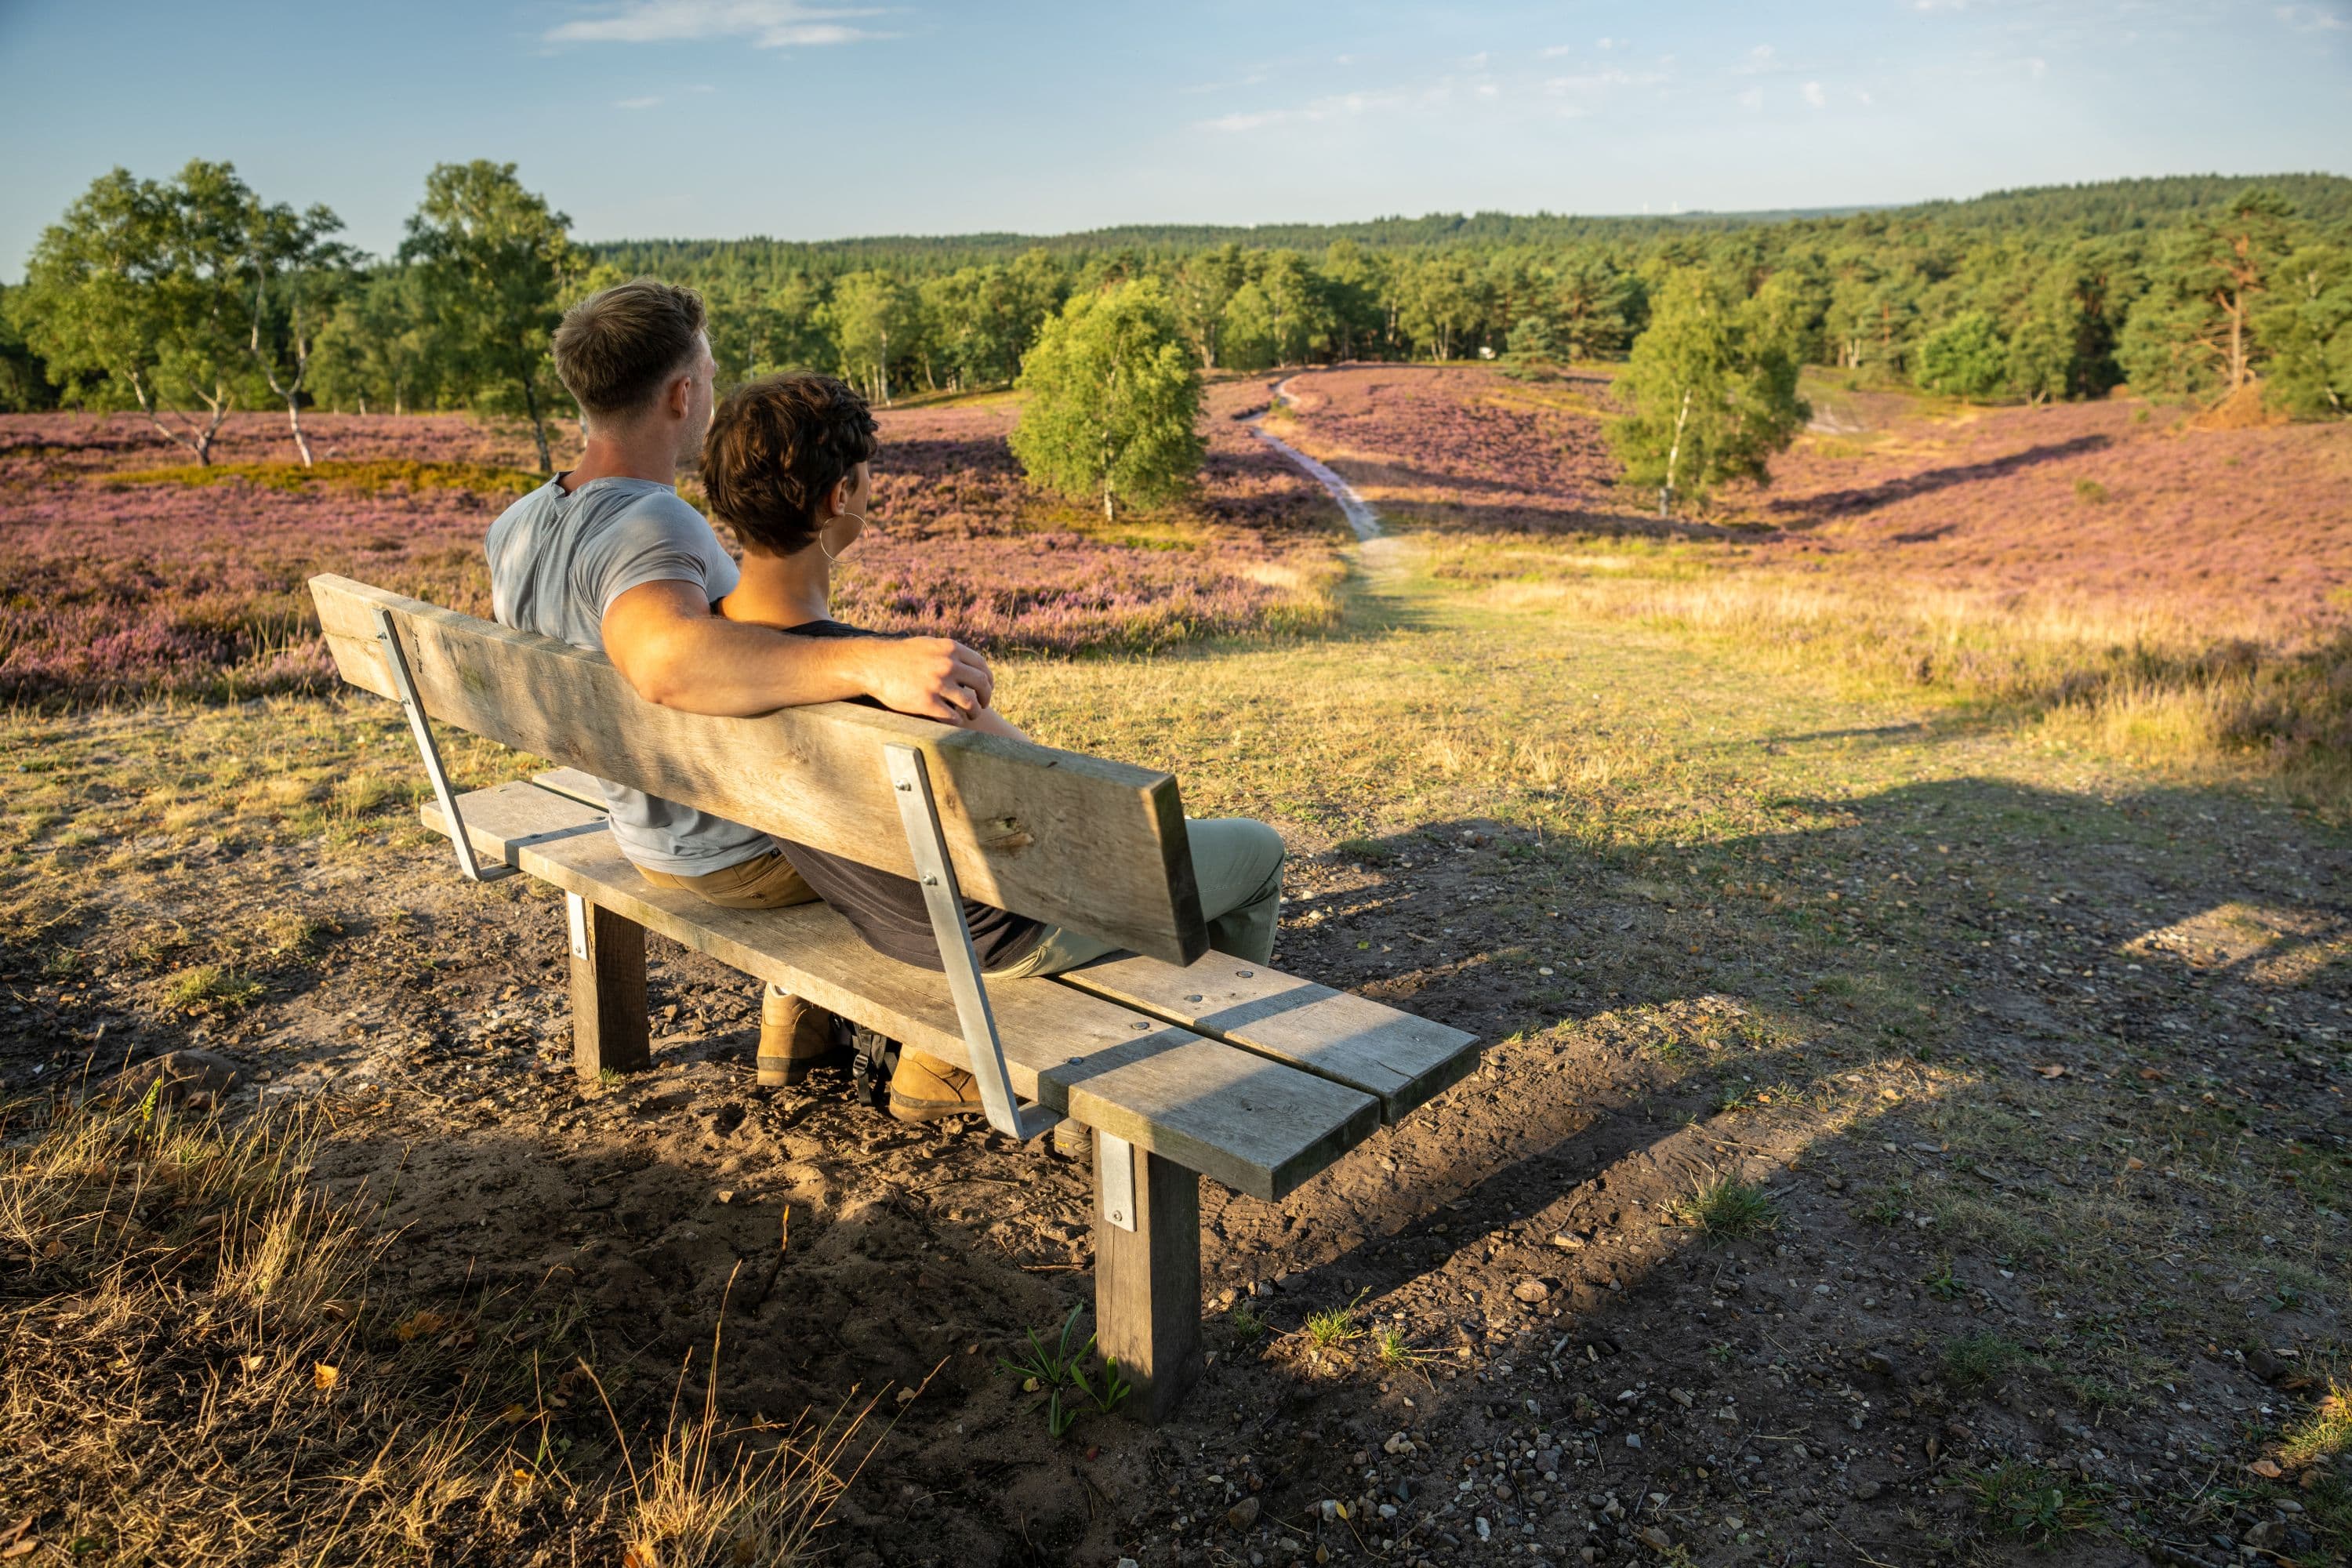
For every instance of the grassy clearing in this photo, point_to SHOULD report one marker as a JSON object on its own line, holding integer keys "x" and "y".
{"x": 2144, "y": 686}
{"x": 187, "y": 1314}
{"x": 360, "y": 477}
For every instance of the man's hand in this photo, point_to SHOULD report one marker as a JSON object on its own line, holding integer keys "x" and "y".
{"x": 932, "y": 677}
{"x": 674, "y": 652}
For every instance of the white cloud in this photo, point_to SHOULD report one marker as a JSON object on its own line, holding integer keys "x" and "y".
{"x": 1555, "y": 51}
{"x": 1862, "y": 96}
{"x": 768, "y": 24}
{"x": 1814, "y": 95}
{"x": 1759, "y": 58}
{"x": 1476, "y": 62}
{"x": 1752, "y": 99}
{"x": 2312, "y": 19}
{"x": 1940, "y": 5}
{"x": 1604, "y": 43}
{"x": 639, "y": 103}
{"x": 1338, "y": 106}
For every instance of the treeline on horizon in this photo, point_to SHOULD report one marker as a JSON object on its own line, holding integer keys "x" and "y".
{"x": 188, "y": 297}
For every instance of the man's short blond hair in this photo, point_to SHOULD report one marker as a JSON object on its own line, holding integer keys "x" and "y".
{"x": 616, "y": 348}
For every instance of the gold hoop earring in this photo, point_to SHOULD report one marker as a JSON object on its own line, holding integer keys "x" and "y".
{"x": 830, "y": 556}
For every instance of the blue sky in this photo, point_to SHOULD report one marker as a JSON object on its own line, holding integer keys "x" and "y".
{"x": 736, "y": 117}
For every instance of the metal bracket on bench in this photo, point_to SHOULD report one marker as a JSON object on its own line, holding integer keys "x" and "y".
{"x": 414, "y": 706}
{"x": 920, "y": 813}
{"x": 1115, "y": 1179}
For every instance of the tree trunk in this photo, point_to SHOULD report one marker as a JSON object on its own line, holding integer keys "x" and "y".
{"x": 1107, "y": 516}
{"x": 1675, "y": 451}
{"x": 294, "y": 418}
{"x": 537, "y": 430}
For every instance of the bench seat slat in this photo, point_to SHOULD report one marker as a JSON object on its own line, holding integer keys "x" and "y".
{"x": 1399, "y": 1059}
{"x": 1258, "y": 1126}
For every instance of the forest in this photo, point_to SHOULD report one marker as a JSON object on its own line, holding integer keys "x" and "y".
{"x": 193, "y": 296}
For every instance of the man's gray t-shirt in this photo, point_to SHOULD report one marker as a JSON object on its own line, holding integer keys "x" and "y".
{"x": 557, "y": 562}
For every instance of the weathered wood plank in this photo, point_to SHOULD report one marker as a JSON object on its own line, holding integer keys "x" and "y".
{"x": 608, "y": 992}
{"x": 1072, "y": 839}
{"x": 1148, "y": 1283}
{"x": 1258, "y": 1126}
{"x": 1399, "y": 1059}
{"x": 571, "y": 784}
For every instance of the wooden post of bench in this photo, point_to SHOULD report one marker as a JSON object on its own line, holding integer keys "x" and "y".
{"x": 608, "y": 990}
{"x": 1147, "y": 1280}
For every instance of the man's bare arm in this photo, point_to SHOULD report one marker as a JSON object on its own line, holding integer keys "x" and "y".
{"x": 674, "y": 652}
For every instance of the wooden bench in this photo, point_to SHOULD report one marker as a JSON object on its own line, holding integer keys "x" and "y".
{"x": 1184, "y": 1063}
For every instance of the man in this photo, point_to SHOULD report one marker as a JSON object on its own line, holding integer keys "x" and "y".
{"x": 607, "y": 556}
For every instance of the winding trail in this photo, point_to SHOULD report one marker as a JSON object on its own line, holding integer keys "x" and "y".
{"x": 1358, "y": 511}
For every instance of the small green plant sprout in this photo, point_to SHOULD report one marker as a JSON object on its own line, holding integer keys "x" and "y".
{"x": 2026, "y": 1503}
{"x": 1393, "y": 1350}
{"x": 1115, "y": 1388}
{"x": 1974, "y": 1359}
{"x": 1889, "y": 1206}
{"x": 1060, "y": 1372}
{"x": 1943, "y": 1284}
{"x": 1335, "y": 1326}
{"x": 1245, "y": 1321}
{"x": 1727, "y": 1207}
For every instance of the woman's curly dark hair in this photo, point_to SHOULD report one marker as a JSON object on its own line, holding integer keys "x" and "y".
{"x": 777, "y": 447}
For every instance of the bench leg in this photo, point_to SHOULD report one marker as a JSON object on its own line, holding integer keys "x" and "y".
{"x": 608, "y": 991}
{"x": 1147, "y": 1280}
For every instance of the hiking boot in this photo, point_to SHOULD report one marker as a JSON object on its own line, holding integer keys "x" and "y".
{"x": 794, "y": 1036}
{"x": 925, "y": 1088}
{"x": 1073, "y": 1139}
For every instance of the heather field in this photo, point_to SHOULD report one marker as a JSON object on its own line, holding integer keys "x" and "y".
{"x": 130, "y": 573}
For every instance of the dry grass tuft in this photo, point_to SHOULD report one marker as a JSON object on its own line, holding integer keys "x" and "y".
{"x": 197, "y": 1371}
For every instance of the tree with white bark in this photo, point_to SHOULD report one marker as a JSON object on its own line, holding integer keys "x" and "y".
{"x": 1712, "y": 390}
{"x": 295, "y": 271}
{"x": 492, "y": 259}
{"x": 135, "y": 298}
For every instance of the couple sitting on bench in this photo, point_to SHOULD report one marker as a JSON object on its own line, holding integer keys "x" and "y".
{"x": 608, "y": 556}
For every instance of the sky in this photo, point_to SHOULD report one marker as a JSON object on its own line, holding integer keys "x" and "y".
{"x": 727, "y": 118}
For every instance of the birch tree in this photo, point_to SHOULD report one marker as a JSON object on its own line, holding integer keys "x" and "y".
{"x": 492, "y": 259}
{"x": 1114, "y": 401}
{"x": 1712, "y": 393}
{"x": 133, "y": 299}
{"x": 295, "y": 272}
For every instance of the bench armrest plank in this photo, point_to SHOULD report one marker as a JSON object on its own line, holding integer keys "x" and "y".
{"x": 1058, "y": 835}
{"x": 1397, "y": 1058}
{"x": 1259, "y": 1127}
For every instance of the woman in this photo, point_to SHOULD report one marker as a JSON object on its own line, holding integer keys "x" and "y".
{"x": 788, "y": 466}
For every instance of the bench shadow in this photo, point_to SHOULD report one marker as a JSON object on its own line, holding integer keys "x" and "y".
{"x": 1583, "y": 1139}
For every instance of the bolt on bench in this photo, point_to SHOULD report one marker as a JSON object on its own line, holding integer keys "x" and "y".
{"x": 1185, "y": 1063}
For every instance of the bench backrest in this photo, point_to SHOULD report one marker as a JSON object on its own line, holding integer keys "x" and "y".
{"x": 1062, "y": 837}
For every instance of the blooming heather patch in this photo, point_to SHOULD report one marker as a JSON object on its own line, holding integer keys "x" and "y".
{"x": 1458, "y": 448}
{"x": 129, "y": 572}
{"x": 2244, "y": 533}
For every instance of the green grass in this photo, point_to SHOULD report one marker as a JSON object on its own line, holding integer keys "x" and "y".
{"x": 210, "y": 988}
{"x": 2026, "y": 1503}
{"x": 1727, "y": 1207}
{"x": 370, "y": 475}
{"x": 1972, "y": 1360}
